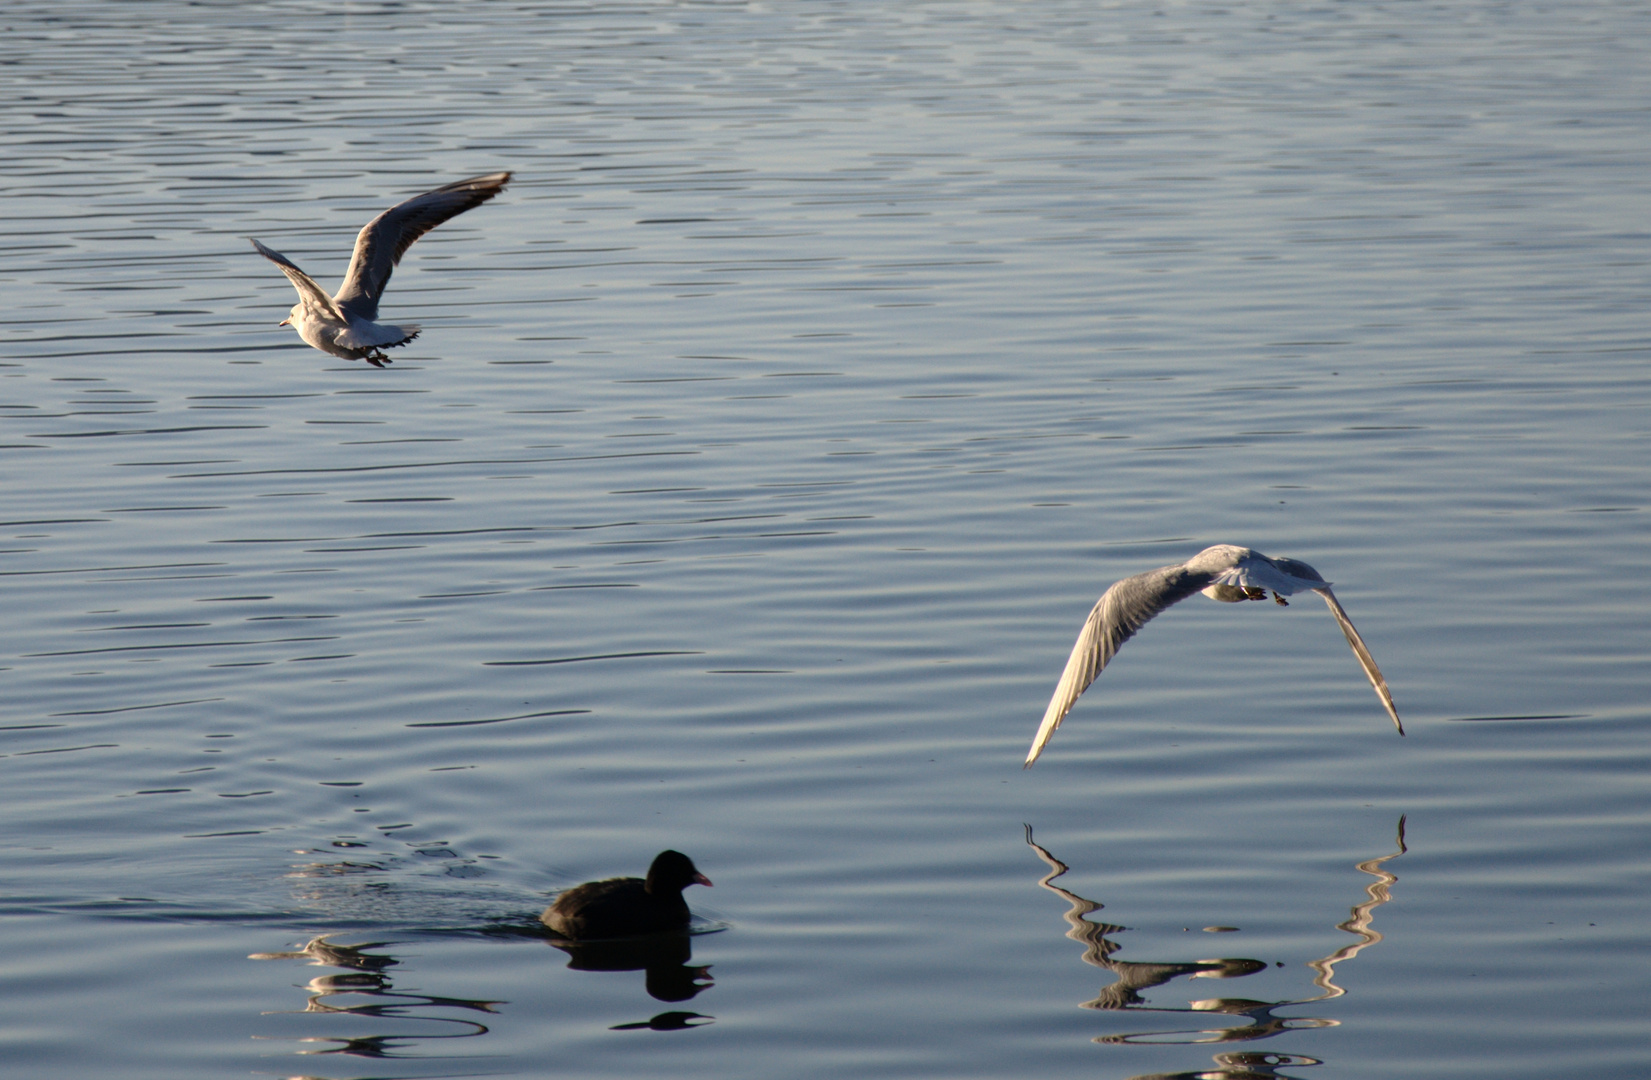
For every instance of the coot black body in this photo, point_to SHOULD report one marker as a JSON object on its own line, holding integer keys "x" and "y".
{"x": 627, "y": 907}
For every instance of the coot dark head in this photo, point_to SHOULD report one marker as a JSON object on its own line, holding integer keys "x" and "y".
{"x": 627, "y": 907}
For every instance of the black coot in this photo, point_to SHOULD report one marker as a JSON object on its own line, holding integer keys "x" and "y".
{"x": 627, "y": 906}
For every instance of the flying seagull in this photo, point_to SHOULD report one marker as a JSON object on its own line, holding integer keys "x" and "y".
{"x": 1223, "y": 572}
{"x": 344, "y": 325}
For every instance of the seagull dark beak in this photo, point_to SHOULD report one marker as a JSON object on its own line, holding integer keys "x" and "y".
{"x": 701, "y": 879}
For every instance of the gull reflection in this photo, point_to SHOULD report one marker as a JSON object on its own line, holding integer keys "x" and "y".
{"x": 323, "y": 951}
{"x": 365, "y": 991}
{"x": 1376, "y": 893}
{"x": 1133, "y": 976}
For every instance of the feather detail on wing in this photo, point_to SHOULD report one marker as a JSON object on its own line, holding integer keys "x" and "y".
{"x": 1283, "y": 576}
{"x": 312, "y": 296}
{"x": 1121, "y": 611}
{"x": 371, "y": 335}
{"x": 382, "y": 241}
{"x": 1366, "y": 661}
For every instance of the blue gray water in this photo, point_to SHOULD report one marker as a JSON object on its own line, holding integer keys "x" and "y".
{"x": 767, "y": 443}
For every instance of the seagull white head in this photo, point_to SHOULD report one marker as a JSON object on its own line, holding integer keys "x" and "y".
{"x": 1224, "y": 572}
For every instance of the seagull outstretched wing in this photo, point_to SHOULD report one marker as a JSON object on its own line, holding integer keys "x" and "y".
{"x": 1120, "y": 612}
{"x": 382, "y": 241}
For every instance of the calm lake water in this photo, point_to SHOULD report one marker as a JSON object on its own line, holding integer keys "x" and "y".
{"x": 768, "y": 441}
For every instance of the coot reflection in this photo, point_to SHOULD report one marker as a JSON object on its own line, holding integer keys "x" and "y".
{"x": 1242, "y": 1065}
{"x": 666, "y": 1021}
{"x": 668, "y": 976}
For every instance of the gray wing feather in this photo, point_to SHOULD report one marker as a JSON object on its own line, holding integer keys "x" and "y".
{"x": 1120, "y": 612}
{"x": 1299, "y": 569}
{"x": 1366, "y": 661}
{"x": 311, "y": 295}
{"x": 382, "y": 241}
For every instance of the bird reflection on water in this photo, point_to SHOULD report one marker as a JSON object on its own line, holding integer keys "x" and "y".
{"x": 375, "y": 998}
{"x": 667, "y": 973}
{"x": 666, "y": 1021}
{"x": 1134, "y": 976}
{"x": 364, "y": 989}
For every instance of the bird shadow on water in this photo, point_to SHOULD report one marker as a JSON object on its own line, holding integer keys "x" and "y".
{"x": 1132, "y": 977}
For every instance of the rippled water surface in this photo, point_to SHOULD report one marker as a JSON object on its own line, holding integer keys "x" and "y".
{"x": 767, "y": 442}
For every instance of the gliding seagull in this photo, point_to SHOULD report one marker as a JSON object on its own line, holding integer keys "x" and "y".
{"x": 344, "y": 325}
{"x": 1223, "y": 572}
